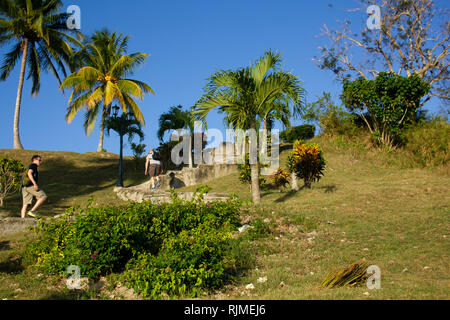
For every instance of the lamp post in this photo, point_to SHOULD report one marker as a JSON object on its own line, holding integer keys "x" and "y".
{"x": 115, "y": 114}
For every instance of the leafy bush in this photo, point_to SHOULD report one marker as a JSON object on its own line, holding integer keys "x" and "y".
{"x": 391, "y": 101}
{"x": 428, "y": 143}
{"x": 245, "y": 172}
{"x": 281, "y": 178}
{"x": 331, "y": 118}
{"x": 304, "y": 132}
{"x": 11, "y": 172}
{"x": 177, "y": 248}
{"x": 307, "y": 162}
{"x": 259, "y": 229}
{"x": 203, "y": 189}
{"x": 190, "y": 261}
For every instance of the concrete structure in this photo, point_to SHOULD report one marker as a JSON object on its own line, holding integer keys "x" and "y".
{"x": 176, "y": 180}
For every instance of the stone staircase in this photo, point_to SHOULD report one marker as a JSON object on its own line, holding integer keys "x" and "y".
{"x": 176, "y": 180}
{"x": 139, "y": 195}
{"x": 15, "y": 225}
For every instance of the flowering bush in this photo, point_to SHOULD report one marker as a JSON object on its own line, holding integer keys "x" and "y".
{"x": 307, "y": 162}
{"x": 280, "y": 178}
{"x": 178, "y": 247}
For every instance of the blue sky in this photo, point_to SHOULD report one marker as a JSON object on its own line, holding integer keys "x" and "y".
{"x": 188, "y": 41}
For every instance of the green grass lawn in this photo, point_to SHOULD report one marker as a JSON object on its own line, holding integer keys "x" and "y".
{"x": 367, "y": 206}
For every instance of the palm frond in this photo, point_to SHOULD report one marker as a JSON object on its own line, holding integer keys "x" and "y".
{"x": 10, "y": 61}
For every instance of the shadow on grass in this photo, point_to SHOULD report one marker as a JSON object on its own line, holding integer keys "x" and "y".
{"x": 4, "y": 245}
{"x": 292, "y": 193}
{"x": 329, "y": 189}
{"x": 66, "y": 177}
{"x": 288, "y": 195}
{"x": 12, "y": 266}
{"x": 68, "y": 296}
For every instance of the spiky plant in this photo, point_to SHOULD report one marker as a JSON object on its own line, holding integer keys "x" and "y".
{"x": 350, "y": 276}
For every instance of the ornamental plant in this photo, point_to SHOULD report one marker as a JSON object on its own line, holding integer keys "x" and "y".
{"x": 280, "y": 178}
{"x": 307, "y": 162}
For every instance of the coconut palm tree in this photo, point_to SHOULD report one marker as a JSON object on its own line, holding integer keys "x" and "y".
{"x": 177, "y": 118}
{"x": 102, "y": 79}
{"x": 37, "y": 33}
{"x": 245, "y": 96}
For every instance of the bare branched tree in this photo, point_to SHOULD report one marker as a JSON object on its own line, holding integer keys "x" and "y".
{"x": 413, "y": 38}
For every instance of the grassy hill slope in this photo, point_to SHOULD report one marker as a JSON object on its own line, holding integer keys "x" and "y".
{"x": 71, "y": 178}
{"x": 368, "y": 206}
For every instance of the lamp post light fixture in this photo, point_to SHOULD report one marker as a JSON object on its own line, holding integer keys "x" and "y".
{"x": 122, "y": 120}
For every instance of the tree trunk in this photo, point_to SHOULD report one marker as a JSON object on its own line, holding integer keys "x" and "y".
{"x": 102, "y": 133}
{"x": 294, "y": 182}
{"x": 256, "y": 193}
{"x": 17, "y": 143}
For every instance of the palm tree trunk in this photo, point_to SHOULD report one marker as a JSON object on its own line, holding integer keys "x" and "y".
{"x": 102, "y": 133}
{"x": 294, "y": 182}
{"x": 17, "y": 143}
{"x": 256, "y": 193}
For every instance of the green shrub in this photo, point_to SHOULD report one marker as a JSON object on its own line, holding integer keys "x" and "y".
{"x": 11, "y": 172}
{"x": 304, "y": 132}
{"x": 331, "y": 118}
{"x": 260, "y": 229}
{"x": 391, "y": 101}
{"x": 188, "y": 262}
{"x": 428, "y": 143}
{"x": 245, "y": 172}
{"x": 203, "y": 189}
{"x": 179, "y": 247}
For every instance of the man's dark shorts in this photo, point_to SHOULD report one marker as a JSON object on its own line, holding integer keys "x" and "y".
{"x": 155, "y": 170}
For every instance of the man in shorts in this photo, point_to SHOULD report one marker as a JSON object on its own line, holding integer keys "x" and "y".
{"x": 153, "y": 168}
{"x": 31, "y": 189}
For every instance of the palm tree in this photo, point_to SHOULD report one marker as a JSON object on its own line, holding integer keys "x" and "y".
{"x": 130, "y": 126}
{"x": 245, "y": 96}
{"x": 177, "y": 118}
{"x": 102, "y": 79}
{"x": 38, "y": 33}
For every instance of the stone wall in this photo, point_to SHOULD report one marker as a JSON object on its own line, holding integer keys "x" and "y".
{"x": 200, "y": 175}
{"x": 176, "y": 180}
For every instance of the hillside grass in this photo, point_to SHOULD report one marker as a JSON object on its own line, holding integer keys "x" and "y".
{"x": 369, "y": 205}
{"x": 71, "y": 179}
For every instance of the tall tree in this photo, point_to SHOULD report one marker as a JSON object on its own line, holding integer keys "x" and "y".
{"x": 130, "y": 126}
{"x": 37, "y": 33}
{"x": 177, "y": 118}
{"x": 102, "y": 79}
{"x": 245, "y": 95}
{"x": 413, "y": 38}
